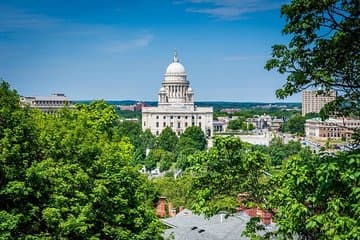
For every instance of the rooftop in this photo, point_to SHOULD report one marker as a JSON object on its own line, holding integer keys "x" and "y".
{"x": 189, "y": 226}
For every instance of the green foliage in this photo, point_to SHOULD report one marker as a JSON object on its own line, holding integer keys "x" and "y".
{"x": 312, "y": 115}
{"x": 218, "y": 114}
{"x": 245, "y": 126}
{"x": 235, "y": 124}
{"x": 129, "y": 129}
{"x": 183, "y": 162}
{"x": 295, "y": 125}
{"x": 97, "y": 115}
{"x": 279, "y": 151}
{"x": 128, "y": 114}
{"x": 167, "y": 140}
{"x": 65, "y": 177}
{"x": 147, "y": 139}
{"x": 272, "y": 111}
{"x": 9, "y": 99}
{"x": 159, "y": 157}
{"x": 226, "y": 170}
{"x": 254, "y": 226}
{"x": 176, "y": 190}
{"x": 240, "y": 123}
{"x": 19, "y": 149}
{"x": 323, "y": 51}
{"x": 317, "y": 196}
{"x": 192, "y": 137}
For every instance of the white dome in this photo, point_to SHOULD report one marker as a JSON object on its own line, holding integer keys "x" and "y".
{"x": 190, "y": 90}
{"x": 175, "y": 68}
{"x": 162, "y": 90}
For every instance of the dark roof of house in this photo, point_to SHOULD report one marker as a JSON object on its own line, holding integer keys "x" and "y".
{"x": 188, "y": 226}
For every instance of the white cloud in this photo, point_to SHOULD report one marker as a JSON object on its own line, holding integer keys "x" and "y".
{"x": 108, "y": 38}
{"x": 231, "y": 9}
{"x": 12, "y": 19}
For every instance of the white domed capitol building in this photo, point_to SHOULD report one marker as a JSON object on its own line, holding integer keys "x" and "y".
{"x": 176, "y": 108}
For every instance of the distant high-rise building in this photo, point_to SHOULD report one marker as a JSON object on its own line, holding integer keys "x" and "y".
{"x": 176, "y": 108}
{"x": 313, "y": 101}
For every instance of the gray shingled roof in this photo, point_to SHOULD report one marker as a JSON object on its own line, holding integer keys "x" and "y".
{"x": 188, "y": 226}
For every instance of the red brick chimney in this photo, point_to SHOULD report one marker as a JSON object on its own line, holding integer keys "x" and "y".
{"x": 266, "y": 218}
{"x": 259, "y": 212}
{"x": 251, "y": 212}
{"x": 171, "y": 210}
{"x": 160, "y": 208}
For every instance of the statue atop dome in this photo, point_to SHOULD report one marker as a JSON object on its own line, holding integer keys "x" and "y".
{"x": 176, "y": 58}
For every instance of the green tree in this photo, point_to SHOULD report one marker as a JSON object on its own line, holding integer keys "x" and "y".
{"x": 192, "y": 137}
{"x": 251, "y": 127}
{"x": 147, "y": 139}
{"x": 295, "y": 125}
{"x": 279, "y": 151}
{"x": 161, "y": 158}
{"x": 176, "y": 190}
{"x": 317, "y": 196}
{"x": 182, "y": 161}
{"x": 312, "y": 115}
{"x": 323, "y": 50}
{"x": 166, "y": 161}
{"x": 245, "y": 126}
{"x": 19, "y": 149}
{"x": 167, "y": 140}
{"x": 63, "y": 177}
{"x": 235, "y": 124}
{"x": 151, "y": 160}
{"x": 224, "y": 171}
{"x": 129, "y": 129}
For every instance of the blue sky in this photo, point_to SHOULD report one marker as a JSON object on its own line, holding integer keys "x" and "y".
{"x": 120, "y": 49}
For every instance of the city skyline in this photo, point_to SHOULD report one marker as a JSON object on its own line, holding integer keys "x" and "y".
{"x": 119, "y": 50}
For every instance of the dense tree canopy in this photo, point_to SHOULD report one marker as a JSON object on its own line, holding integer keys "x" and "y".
{"x": 235, "y": 124}
{"x": 294, "y": 125}
{"x": 192, "y": 137}
{"x": 317, "y": 196}
{"x": 227, "y": 169}
{"x": 64, "y": 177}
{"x": 130, "y": 129}
{"x": 176, "y": 190}
{"x": 167, "y": 140}
{"x": 278, "y": 151}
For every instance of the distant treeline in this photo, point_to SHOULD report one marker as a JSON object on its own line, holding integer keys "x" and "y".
{"x": 216, "y": 105}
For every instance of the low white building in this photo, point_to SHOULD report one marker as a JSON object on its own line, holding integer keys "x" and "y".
{"x": 48, "y": 104}
{"x": 260, "y": 122}
{"x": 332, "y": 128}
{"x": 176, "y": 108}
